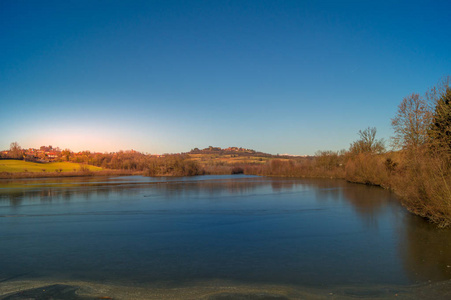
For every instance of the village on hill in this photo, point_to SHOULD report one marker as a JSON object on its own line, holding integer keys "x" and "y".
{"x": 50, "y": 153}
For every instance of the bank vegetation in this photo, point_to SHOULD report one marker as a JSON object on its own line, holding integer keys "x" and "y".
{"x": 418, "y": 168}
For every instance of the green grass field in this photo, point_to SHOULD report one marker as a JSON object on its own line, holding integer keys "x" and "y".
{"x": 16, "y": 166}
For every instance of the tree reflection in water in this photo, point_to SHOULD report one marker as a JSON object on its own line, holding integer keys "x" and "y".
{"x": 426, "y": 250}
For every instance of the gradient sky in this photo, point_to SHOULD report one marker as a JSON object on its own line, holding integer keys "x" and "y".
{"x": 168, "y": 76}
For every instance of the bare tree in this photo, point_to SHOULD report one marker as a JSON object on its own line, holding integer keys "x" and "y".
{"x": 435, "y": 93}
{"x": 412, "y": 122}
{"x": 15, "y": 151}
{"x": 368, "y": 142}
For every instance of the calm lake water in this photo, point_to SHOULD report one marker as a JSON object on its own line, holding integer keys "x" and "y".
{"x": 136, "y": 230}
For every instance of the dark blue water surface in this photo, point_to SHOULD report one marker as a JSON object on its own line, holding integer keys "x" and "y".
{"x": 240, "y": 228}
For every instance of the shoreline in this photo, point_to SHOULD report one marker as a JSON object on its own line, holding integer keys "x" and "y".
{"x": 214, "y": 289}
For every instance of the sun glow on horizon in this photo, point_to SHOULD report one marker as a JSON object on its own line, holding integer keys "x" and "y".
{"x": 79, "y": 138}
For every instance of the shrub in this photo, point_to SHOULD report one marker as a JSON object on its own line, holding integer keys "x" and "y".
{"x": 83, "y": 168}
{"x": 425, "y": 187}
{"x": 367, "y": 168}
{"x": 237, "y": 170}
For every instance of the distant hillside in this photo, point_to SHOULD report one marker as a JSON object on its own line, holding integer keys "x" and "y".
{"x": 238, "y": 151}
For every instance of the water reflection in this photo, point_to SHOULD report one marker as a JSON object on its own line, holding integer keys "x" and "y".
{"x": 368, "y": 201}
{"x": 426, "y": 250}
{"x": 243, "y": 228}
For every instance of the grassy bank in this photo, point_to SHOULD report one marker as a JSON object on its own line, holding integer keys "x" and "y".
{"x": 10, "y": 169}
{"x": 20, "y": 166}
{"x": 421, "y": 179}
{"x": 18, "y": 175}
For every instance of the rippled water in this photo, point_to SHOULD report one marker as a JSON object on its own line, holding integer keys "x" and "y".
{"x": 241, "y": 228}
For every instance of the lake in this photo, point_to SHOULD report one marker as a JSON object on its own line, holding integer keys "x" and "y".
{"x": 245, "y": 230}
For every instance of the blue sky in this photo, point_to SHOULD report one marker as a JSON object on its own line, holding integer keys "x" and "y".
{"x": 167, "y": 76}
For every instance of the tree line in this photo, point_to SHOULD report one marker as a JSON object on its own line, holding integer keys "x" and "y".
{"x": 150, "y": 165}
{"x": 417, "y": 168}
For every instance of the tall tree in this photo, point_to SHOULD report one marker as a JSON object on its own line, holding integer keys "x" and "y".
{"x": 440, "y": 129}
{"x": 367, "y": 143}
{"x": 412, "y": 122}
